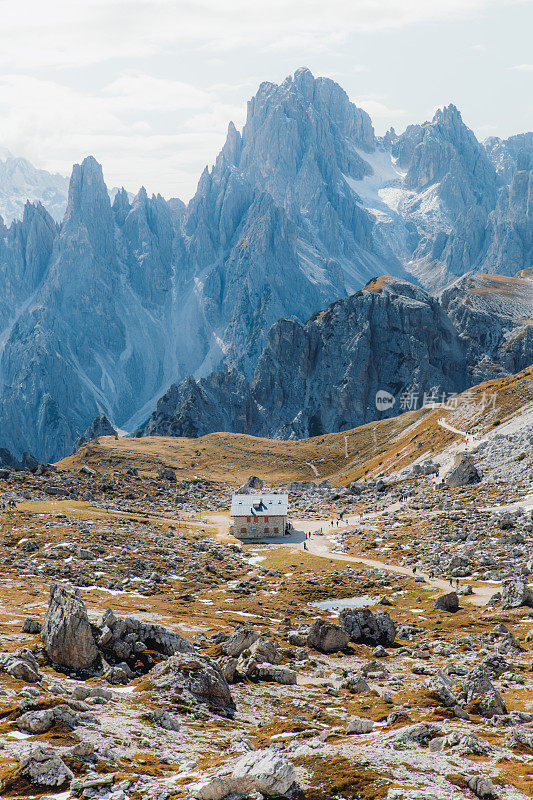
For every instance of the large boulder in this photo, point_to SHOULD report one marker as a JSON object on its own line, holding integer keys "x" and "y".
{"x": 21, "y": 665}
{"x": 123, "y": 638}
{"x": 193, "y": 680}
{"x": 41, "y": 721}
{"x": 360, "y": 725}
{"x": 67, "y": 633}
{"x": 327, "y": 638}
{"x": 482, "y": 696}
{"x": 43, "y": 768}
{"x": 265, "y": 650}
{"x": 240, "y": 640}
{"x": 516, "y": 593}
{"x": 265, "y": 771}
{"x": 363, "y": 626}
{"x": 167, "y": 474}
{"x": 421, "y": 733}
{"x": 254, "y": 670}
{"x": 441, "y": 689}
{"x": 448, "y": 602}
{"x": 462, "y": 472}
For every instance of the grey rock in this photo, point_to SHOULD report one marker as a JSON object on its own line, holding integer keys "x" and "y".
{"x": 478, "y": 690}
{"x": 240, "y": 640}
{"x": 355, "y": 684}
{"x": 366, "y": 627}
{"x": 119, "y": 636}
{"x": 327, "y": 638}
{"x": 359, "y": 725}
{"x": 516, "y": 593}
{"x": 463, "y": 472}
{"x": 264, "y": 771}
{"x": 67, "y": 633}
{"x": 41, "y": 721}
{"x": 21, "y": 665}
{"x": 441, "y": 688}
{"x": 257, "y": 671}
{"x": 31, "y": 625}
{"x": 448, "y": 602}
{"x": 167, "y": 473}
{"x": 420, "y": 734}
{"x": 119, "y": 674}
{"x": 44, "y": 768}
{"x": 482, "y": 787}
{"x": 265, "y": 650}
{"x": 198, "y": 679}
{"x": 252, "y": 484}
{"x": 165, "y": 720}
{"x": 521, "y": 738}
{"x": 100, "y": 426}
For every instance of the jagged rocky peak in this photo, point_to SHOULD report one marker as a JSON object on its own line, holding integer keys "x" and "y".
{"x": 89, "y": 206}
{"x": 509, "y": 228}
{"x": 323, "y": 375}
{"x": 230, "y": 153}
{"x": 25, "y": 251}
{"x": 121, "y": 206}
{"x": 303, "y": 119}
{"x": 100, "y": 426}
{"x": 301, "y": 209}
{"x": 446, "y": 151}
{"x": 219, "y": 402}
{"x": 87, "y": 189}
{"x": 510, "y": 155}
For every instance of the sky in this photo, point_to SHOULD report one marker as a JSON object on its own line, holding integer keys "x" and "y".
{"x": 149, "y": 88}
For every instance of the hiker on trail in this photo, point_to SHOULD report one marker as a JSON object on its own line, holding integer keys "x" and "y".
{"x": 457, "y": 583}
{"x": 451, "y": 582}
{"x": 305, "y": 545}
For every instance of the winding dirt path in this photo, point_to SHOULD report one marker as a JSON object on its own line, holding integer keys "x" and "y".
{"x": 323, "y": 548}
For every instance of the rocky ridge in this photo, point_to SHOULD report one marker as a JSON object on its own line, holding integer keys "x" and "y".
{"x": 103, "y": 313}
{"x": 392, "y": 337}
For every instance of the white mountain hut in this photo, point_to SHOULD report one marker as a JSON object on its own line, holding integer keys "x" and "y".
{"x": 259, "y": 516}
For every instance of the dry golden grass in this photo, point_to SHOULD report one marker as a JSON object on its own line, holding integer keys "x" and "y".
{"x": 339, "y": 777}
{"x": 368, "y": 451}
{"x": 232, "y": 457}
{"x": 519, "y": 286}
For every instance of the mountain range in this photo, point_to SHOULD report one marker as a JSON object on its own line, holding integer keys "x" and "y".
{"x": 258, "y": 301}
{"x": 20, "y": 181}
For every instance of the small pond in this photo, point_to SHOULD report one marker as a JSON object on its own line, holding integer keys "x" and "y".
{"x": 340, "y": 603}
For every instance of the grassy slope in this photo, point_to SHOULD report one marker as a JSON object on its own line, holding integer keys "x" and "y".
{"x": 376, "y": 448}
